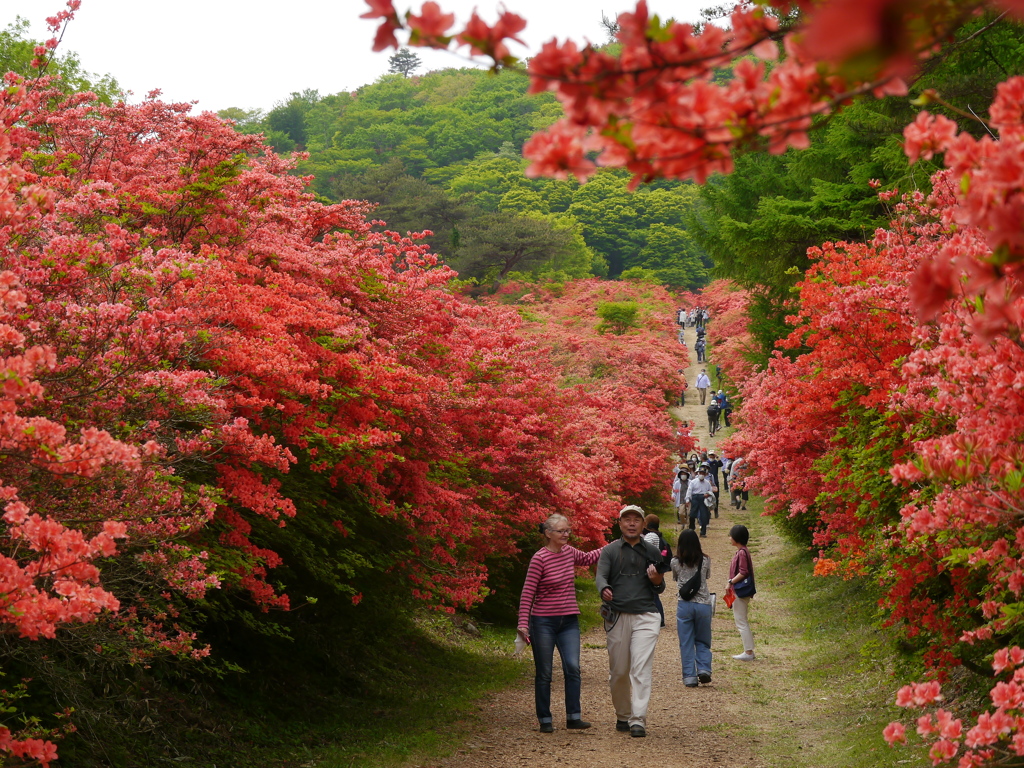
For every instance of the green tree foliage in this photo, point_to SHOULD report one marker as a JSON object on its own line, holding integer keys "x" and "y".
{"x": 408, "y": 204}
{"x": 758, "y": 223}
{"x": 443, "y": 152}
{"x": 16, "y": 55}
{"x": 498, "y": 243}
{"x": 618, "y": 316}
{"x": 403, "y": 62}
{"x": 287, "y": 121}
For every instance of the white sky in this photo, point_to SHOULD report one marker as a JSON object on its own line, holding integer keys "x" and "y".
{"x": 252, "y": 54}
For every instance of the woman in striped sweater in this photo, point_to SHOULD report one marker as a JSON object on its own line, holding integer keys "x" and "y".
{"x": 549, "y": 619}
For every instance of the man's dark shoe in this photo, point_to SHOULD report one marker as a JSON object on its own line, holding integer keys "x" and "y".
{"x": 704, "y": 677}
{"x": 621, "y": 725}
{"x": 547, "y": 728}
{"x": 637, "y": 731}
{"x": 691, "y": 685}
{"x": 577, "y": 725}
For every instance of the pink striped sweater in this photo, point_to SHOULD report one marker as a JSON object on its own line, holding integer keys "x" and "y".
{"x": 550, "y": 588}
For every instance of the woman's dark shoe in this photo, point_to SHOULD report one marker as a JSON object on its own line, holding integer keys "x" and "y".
{"x": 577, "y": 725}
{"x": 637, "y": 731}
{"x": 621, "y": 725}
{"x": 691, "y": 685}
{"x": 704, "y": 677}
{"x": 547, "y": 728}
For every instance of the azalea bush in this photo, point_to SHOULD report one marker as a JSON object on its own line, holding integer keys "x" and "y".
{"x": 222, "y": 397}
{"x": 896, "y": 408}
{"x": 731, "y": 344}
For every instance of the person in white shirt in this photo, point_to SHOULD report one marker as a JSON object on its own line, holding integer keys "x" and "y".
{"x": 703, "y": 384}
{"x": 700, "y": 495}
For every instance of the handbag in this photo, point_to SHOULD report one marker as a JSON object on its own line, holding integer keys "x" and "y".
{"x": 689, "y": 589}
{"x": 745, "y": 588}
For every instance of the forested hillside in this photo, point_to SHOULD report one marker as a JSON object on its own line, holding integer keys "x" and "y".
{"x": 443, "y": 152}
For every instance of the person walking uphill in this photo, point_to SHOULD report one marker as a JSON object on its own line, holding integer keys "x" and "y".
{"x": 628, "y": 578}
{"x": 549, "y": 619}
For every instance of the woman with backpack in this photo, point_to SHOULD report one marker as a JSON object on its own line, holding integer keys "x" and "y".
{"x": 692, "y": 569}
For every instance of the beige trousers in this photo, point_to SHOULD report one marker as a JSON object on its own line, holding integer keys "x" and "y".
{"x": 739, "y": 612}
{"x": 631, "y": 644}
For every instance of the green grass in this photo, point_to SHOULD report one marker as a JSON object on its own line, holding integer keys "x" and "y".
{"x": 841, "y": 669}
{"x": 434, "y": 715}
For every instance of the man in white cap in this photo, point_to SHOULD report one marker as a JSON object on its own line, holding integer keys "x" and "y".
{"x": 629, "y": 576}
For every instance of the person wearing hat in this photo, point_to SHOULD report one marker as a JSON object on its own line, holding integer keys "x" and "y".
{"x": 714, "y": 410}
{"x": 714, "y": 464}
{"x": 629, "y": 575}
{"x": 725, "y": 405}
{"x": 701, "y": 496}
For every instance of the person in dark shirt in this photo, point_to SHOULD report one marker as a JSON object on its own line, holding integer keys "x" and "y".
{"x": 629, "y": 576}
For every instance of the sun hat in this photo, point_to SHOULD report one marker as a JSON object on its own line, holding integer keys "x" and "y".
{"x": 631, "y": 509}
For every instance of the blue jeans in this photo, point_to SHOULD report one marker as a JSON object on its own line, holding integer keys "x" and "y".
{"x": 693, "y": 623}
{"x": 546, "y": 634}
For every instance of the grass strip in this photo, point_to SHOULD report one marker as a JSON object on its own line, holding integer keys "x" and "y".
{"x": 829, "y": 681}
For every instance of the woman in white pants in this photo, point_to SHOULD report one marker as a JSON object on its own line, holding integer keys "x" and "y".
{"x": 741, "y": 568}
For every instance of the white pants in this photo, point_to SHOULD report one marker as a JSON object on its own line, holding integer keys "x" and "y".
{"x": 631, "y": 644}
{"x": 739, "y": 612}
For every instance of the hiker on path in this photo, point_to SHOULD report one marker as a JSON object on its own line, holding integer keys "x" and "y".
{"x": 549, "y": 619}
{"x": 652, "y": 535}
{"x": 700, "y": 495}
{"x": 700, "y": 347}
{"x": 679, "y": 486}
{"x": 738, "y": 483}
{"x": 692, "y": 569}
{"x": 714, "y": 411}
{"x": 703, "y": 383}
{"x": 714, "y": 464}
{"x": 628, "y": 578}
{"x": 684, "y": 386}
{"x": 740, "y": 569}
{"x": 725, "y": 406}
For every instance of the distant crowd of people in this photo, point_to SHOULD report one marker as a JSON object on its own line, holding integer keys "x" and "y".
{"x": 697, "y": 318}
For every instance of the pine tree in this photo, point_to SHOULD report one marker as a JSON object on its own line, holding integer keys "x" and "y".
{"x": 404, "y": 62}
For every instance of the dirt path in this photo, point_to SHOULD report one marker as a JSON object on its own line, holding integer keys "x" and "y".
{"x": 686, "y": 726}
